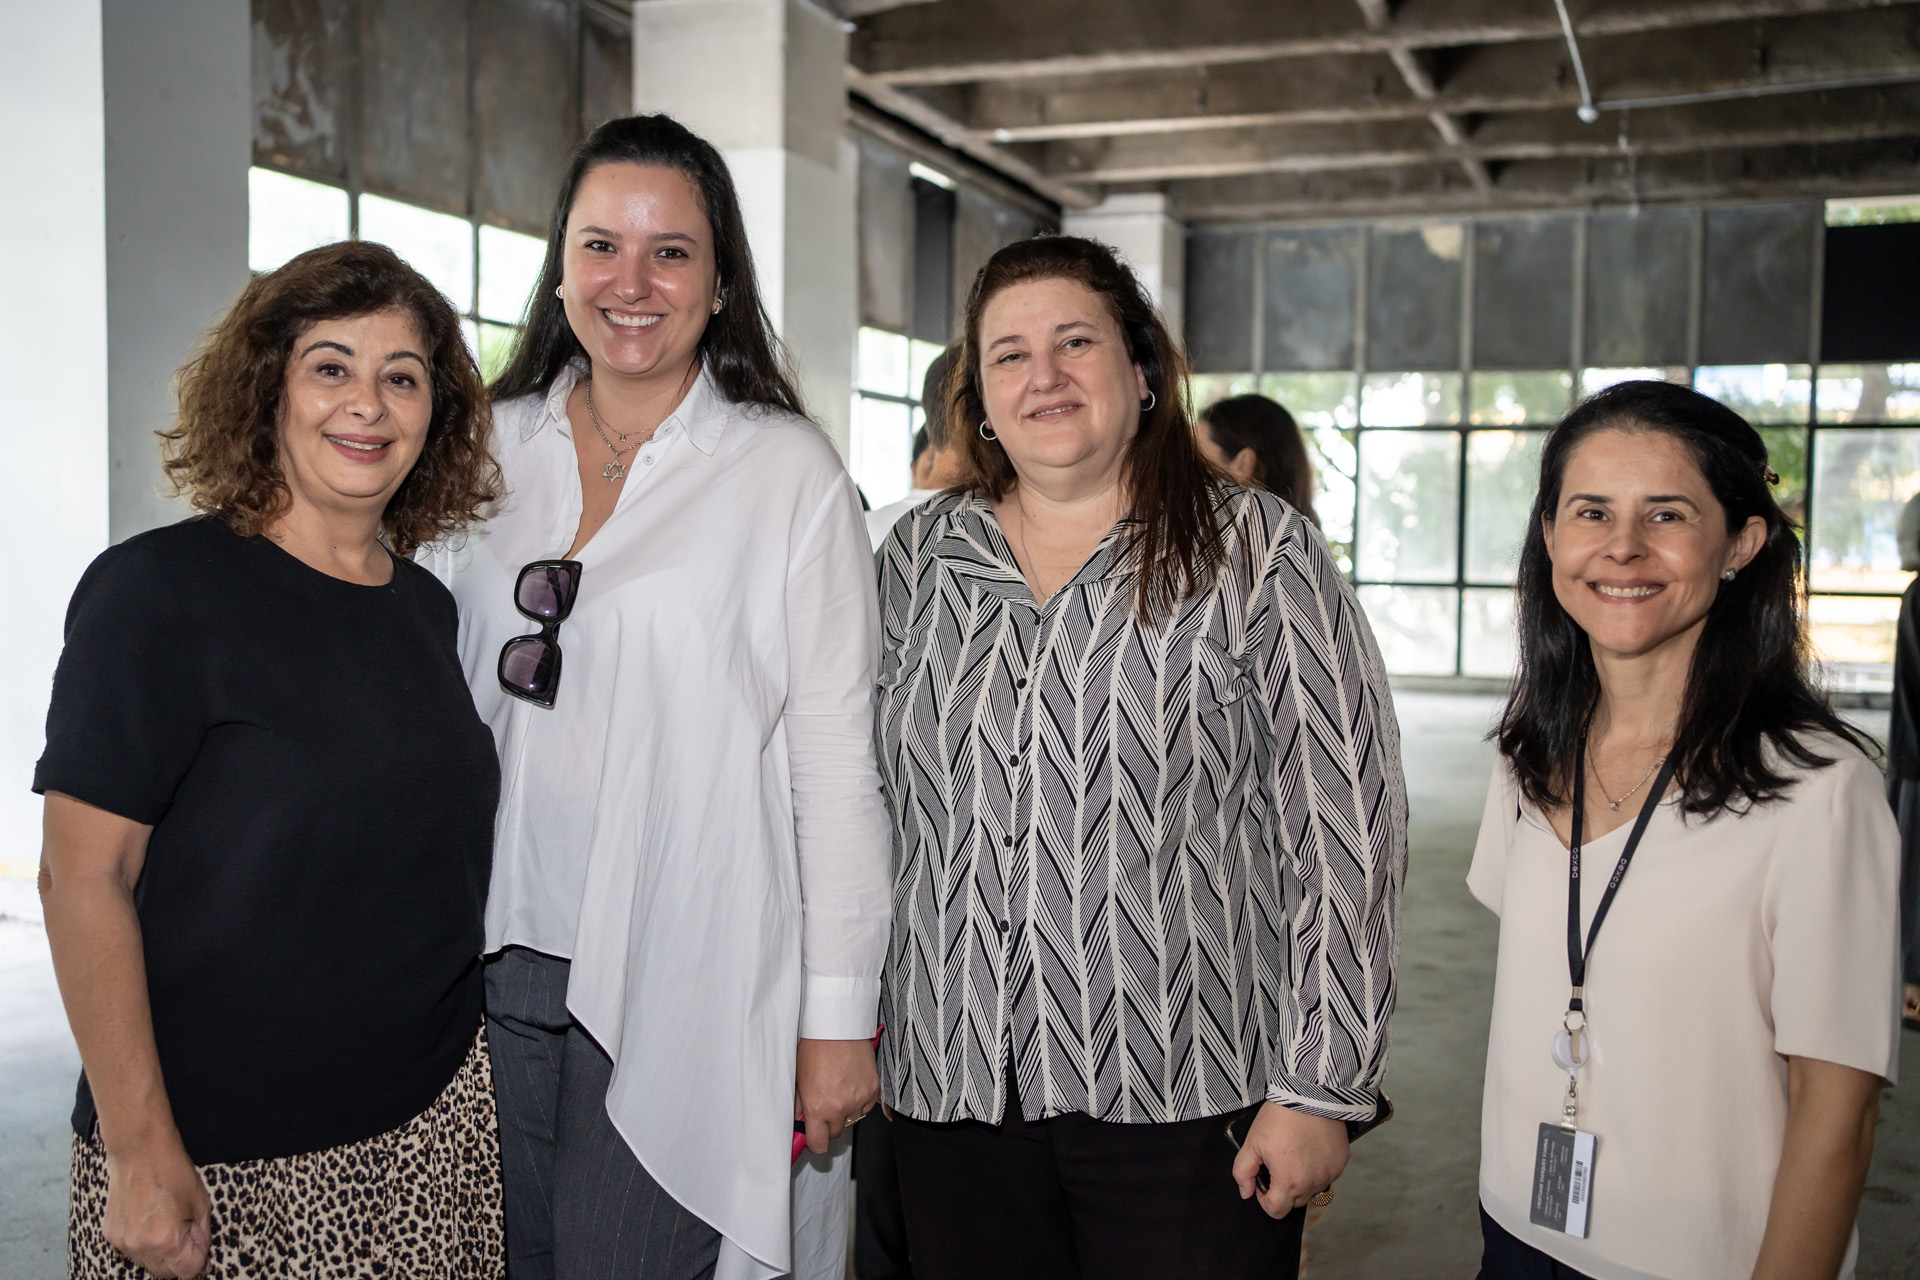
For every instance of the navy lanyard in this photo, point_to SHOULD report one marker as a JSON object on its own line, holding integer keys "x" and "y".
{"x": 1576, "y": 958}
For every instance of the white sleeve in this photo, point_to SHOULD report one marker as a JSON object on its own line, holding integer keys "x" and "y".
{"x": 840, "y": 820}
{"x": 1487, "y": 877}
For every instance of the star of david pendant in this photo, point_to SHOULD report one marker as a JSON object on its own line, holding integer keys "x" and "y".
{"x": 614, "y": 470}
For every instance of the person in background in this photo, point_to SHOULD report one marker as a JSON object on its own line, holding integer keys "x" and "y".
{"x": 1256, "y": 441}
{"x": 936, "y": 464}
{"x": 689, "y": 908}
{"x": 1903, "y": 762}
{"x": 1669, "y": 771}
{"x": 1146, "y": 875}
{"x": 269, "y": 813}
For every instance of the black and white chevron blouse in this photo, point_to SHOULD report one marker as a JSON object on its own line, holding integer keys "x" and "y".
{"x": 1161, "y": 864}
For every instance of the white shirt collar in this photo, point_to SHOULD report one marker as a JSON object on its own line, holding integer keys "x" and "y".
{"x": 702, "y": 413}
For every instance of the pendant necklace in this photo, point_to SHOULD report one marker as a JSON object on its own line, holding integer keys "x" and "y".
{"x": 1615, "y": 804}
{"x": 616, "y": 469}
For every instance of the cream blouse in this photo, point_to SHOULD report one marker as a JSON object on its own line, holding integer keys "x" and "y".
{"x": 1732, "y": 944}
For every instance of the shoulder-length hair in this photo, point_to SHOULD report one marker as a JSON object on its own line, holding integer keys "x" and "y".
{"x": 223, "y": 451}
{"x": 1175, "y": 546}
{"x": 1280, "y": 464}
{"x": 1748, "y": 689}
{"x": 738, "y": 346}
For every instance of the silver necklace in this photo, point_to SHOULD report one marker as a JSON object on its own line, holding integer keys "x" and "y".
{"x": 1615, "y": 804}
{"x": 616, "y": 469}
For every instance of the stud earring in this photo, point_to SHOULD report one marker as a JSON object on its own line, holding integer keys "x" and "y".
{"x": 1729, "y": 575}
{"x": 987, "y": 432}
{"x": 560, "y": 291}
{"x": 717, "y": 304}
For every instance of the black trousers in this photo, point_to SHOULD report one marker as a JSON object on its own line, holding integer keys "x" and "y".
{"x": 1073, "y": 1196}
{"x": 879, "y": 1222}
{"x": 1505, "y": 1256}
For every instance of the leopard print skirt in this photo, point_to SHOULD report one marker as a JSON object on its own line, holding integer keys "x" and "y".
{"x": 422, "y": 1200}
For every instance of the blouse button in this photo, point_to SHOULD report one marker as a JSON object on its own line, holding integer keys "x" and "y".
{"x": 1007, "y": 841}
{"x": 1005, "y": 927}
{"x": 648, "y": 461}
{"x": 1021, "y": 683}
{"x": 1014, "y": 761}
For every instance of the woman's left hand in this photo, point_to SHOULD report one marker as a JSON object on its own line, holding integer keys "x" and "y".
{"x": 835, "y": 1084}
{"x": 1303, "y": 1154}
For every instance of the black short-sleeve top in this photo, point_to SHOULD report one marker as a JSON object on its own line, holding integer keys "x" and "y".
{"x": 321, "y": 794}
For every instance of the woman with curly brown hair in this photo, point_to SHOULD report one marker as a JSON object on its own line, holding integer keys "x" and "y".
{"x": 269, "y": 813}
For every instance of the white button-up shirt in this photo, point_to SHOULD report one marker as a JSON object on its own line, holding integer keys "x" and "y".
{"x": 697, "y": 823}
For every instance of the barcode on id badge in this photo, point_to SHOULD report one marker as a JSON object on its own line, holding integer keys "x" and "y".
{"x": 1580, "y": 1184}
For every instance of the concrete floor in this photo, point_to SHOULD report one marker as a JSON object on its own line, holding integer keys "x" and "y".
{"x": 1405, "y": 1209}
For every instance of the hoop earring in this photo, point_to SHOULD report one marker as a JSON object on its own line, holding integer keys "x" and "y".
{"x": 1152, "y": 401}
{"x": 560, "y": 291}
{"x": 986, "y": 432}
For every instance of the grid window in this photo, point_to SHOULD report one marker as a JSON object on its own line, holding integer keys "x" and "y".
{"x": 1410, "y": 400}
{"x": 1503, "y": 473}
{"x": 890, "y": 369}
{"x": 1409, "y": 506}
{"x": 1517, "y": 399}
{"x": 488, "y": 273}
{"x": 1417, "y": 627}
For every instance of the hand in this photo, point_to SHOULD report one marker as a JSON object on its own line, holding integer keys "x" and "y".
{"x": 835, "y": 1083}
{"x": 1302, "y": 1154}
{"x": 158, "y": 1213}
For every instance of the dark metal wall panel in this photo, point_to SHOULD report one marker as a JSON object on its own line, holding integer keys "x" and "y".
{"x": 1523, "y": 293}
{"x": 414, "y": 142}
{"x": 933, "y": 213}
{"x": 981, "y": 225}
{"x": 606, "y": 74}
{"x": 302, "y": 63}
{"x": 1413, "y": 297}
{"x": 1639, "y": 273}
{"x": 1220, "y": 301}
{"x": 1312, "y": 286}
{"x": 1867, "y": 303}
{"x": 886, "y": 238}
{"x": 526, "y": 108}
{"x": 1757, "y": 300}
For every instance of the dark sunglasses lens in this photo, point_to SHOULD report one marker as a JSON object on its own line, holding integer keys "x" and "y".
{"x": 530, "y": 666}
{"x": 540, "y": 593}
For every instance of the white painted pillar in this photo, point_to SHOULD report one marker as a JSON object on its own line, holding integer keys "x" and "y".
{"x": 179, "y": 138}
{"x": 1151, "y": 242}
{"x": 53, "y": 362}
{"x": 765, "y": 82}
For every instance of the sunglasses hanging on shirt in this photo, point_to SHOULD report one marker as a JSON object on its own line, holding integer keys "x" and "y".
{"x": 530, "y": 665}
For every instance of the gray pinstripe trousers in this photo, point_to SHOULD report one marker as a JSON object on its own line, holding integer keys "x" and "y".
{"x": 579, "y": 1206}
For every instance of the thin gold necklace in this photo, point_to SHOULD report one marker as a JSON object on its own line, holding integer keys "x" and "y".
{"x": 1615, "y": 804}
{"x": 616, "y": 469}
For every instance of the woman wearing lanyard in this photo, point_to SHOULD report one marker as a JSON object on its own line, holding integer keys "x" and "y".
{"x": 670, "y": 625}
{"x": 1694, "y": 868}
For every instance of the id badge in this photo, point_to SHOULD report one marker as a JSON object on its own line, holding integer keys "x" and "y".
{"x": 1562, "y": 1180}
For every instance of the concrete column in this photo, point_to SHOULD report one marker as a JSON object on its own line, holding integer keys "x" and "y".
{"x": 178, "y": 133}
{"x": 53, "y": 275}
{"x": 765, "y": 82}
{"x": 1152, "y": 243}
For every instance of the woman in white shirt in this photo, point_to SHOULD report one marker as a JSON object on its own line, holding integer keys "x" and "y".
{"x": 688, "y": 911}
{"x": 1695, "y": 1008}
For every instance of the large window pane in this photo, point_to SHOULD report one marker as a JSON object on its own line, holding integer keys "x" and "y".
{"x": 1853, "y": 639}
{"x": 1331, "y": 451}
{"x": 920, "y": 358}
{"x": 509, "y": 271}
{"x": 1787, "y": 455}
{"x": 1409, "y": 505}
{"x": 495, "y": 348}
{"x": 1416, "y": 627}
{"x": 882, "y": 449}
{"x": 1489, "y": 641}
{"x": 1760, "y": 393}
{"x": 1503, "y": 474}
{"x": 1861, "y": 479}
{"x": 884, "y": 364}
{"x": 1205, "y": 388}
{"x": 287, "y": 216}
{"x": 1869, "y": 393}
{"x": 1520, "y": 399}
{"x": 1315, "y": 399}
{"x": 1410, "y": 400}
{"x": 1597, "y": 380}
{"x": 439, "y": 247}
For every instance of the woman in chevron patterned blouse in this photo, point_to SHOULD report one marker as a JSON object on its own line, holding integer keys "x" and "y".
{"x": 1149, "y": 820}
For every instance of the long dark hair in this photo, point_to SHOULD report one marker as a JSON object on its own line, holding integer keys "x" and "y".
{"x": 738, "y": 348}
{"x": 1748, "y": 688}
{"x": 1280, "y": 463}
{"x": 1175, "y": 544}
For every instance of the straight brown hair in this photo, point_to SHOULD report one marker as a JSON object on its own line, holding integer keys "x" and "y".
{"x": 1174, "y": 548}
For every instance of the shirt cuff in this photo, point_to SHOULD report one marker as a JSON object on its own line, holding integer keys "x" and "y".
{"x": 1347, "y": 1103}
{"x": 839, "y": 1008}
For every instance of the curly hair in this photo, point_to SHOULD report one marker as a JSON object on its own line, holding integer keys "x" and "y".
{"x": 223, "y": 450}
